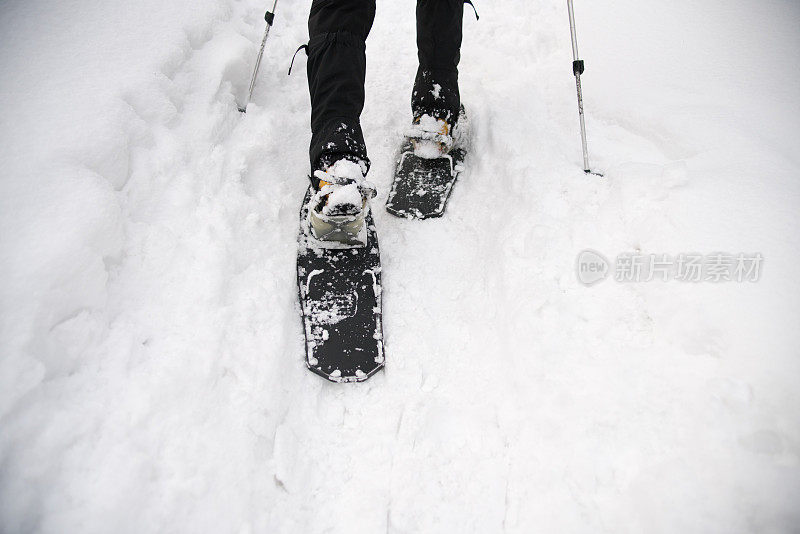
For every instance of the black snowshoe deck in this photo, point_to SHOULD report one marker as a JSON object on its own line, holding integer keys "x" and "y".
{"x": 340, "y": 298}
{"x": 421, "y": 186}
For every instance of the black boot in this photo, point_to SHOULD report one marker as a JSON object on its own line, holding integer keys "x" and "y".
{"x": 439, "y": 50}
{"x": 337, "y": 67}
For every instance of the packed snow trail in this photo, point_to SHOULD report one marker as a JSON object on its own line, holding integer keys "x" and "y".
{"x": 152, "y": 375}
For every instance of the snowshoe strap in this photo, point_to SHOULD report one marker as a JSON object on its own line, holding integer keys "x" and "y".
{"x": 418, "y": 133}
{"x": 332, "y": 178}
{"x": 366, "y": 188}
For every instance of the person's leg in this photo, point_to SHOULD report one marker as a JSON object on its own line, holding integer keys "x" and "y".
{"x": 439, "y": 50}
{"x": 337, "y": 65}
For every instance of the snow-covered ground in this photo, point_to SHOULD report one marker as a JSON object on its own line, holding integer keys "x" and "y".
{"x": 152, "y": 375}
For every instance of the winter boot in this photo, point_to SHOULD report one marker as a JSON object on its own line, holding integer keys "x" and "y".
{"x": 431, "y": 138}
{"x": 340, "y": 204}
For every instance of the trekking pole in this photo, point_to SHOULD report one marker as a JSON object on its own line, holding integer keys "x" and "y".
{"x": 269, "y": 17}
{"x": 577, "y": 70}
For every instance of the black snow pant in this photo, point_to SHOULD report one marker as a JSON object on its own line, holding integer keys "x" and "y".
{"x": 337, "y": 66}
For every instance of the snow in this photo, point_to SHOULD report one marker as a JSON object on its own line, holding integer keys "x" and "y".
{"x": 152, "y": 375}
{"x": 431, "y": 136}
{"x": 431, "y": 124}
{"x": 348, "y": 170}
{"x": 346, "y": 195}
{"x": 427, "y": 149}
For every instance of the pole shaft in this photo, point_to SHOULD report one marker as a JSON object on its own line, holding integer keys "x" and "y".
{"x": 572, "y": 31}
{"x": 583, "y": 124}
{"x": 575, "y": 57}
{"x": 258, "y": 59}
